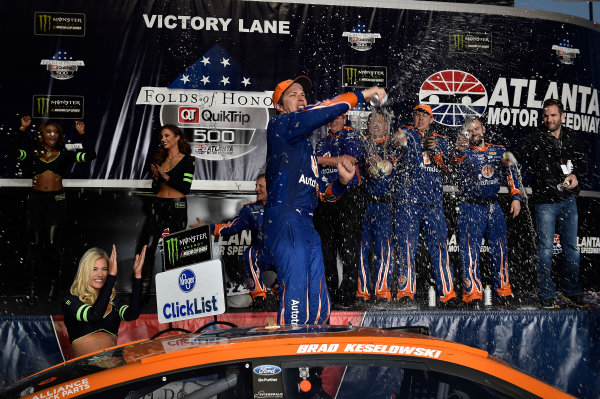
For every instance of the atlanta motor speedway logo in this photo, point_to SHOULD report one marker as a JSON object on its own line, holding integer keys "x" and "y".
{"x": 512, "y": 101}
{"x": 452, "y": 95}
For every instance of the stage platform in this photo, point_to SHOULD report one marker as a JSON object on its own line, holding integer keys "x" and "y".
{"x": 561, "y": 347}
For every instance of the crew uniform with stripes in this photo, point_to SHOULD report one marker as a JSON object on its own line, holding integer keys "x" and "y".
{"x": 293, "y": 193}
{"x": 255, "y": 257}
{"x": 419, "y": 204}
{"x": 480, "y": 168}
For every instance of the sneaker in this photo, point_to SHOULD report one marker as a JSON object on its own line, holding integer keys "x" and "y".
{"x": 234, "y": 289}
{"x": 452, "y": 303}
{"x": 549, "y": 303}
{"x": 239, "y": 301}
{"x": 577, "y": 301}
{"x": 475, "y": 304}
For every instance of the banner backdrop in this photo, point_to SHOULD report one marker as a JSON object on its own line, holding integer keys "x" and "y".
{"x": 127, "y": 67}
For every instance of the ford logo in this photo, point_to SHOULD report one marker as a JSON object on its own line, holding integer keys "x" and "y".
{"x": 187, "y": 280}
{"x": 267, "y": 369}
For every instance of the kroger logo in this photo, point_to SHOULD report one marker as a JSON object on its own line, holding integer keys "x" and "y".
{"x": 187, "y": 280}
{"x": 267, "y": 369}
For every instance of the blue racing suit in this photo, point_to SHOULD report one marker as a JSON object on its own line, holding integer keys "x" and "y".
{"x": 293, "y": 192}
{"x": 377, "y": 222}
{"x": 255, "y": 257}
{"x": 479, "y": 215}
{"x": 419, "y": 203}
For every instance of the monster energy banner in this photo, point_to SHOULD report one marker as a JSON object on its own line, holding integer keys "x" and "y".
{"x": 210, "y": 68}
{"x": 187, "y": 247}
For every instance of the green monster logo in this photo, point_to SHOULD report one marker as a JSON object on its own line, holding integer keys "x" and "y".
{"x": 351, "y": 76}
{"x": 45, "y": 22}
{"x": 42, "y": 104}
{"x": 172, "y": 251}
{"x": 458, "y": 41}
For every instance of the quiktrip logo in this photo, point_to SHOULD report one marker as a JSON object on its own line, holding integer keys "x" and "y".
{"x": 187, "y": 280}
{"x": 565, "y": 51}
{"x": 452, "y": 95}
{"x": 61, "y": 65}
{"x": 360, "y": 38}
{"x": 218, "y": 105}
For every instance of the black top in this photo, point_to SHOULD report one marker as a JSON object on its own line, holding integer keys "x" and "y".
{"x": 544, "y": 155}
{"x": 180, "y": 176}
{"x": 58, "y": 165}
{"x": 82, "y": 319}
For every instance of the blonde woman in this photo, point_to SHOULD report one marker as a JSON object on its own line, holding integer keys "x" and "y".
{"x": 92, "y": 312}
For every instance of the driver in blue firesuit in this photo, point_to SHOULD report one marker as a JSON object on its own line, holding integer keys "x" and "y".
{"x": 293, "y": 193}
{"x": 480, "y": 168}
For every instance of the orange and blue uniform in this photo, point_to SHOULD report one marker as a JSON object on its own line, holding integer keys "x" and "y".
{"x": 293, "y": 191}
{"x": 255, "y": 257}
{"x": 480, "y": 170}
{"x": 419, "y": 204}
{"x": 377, "y": 226}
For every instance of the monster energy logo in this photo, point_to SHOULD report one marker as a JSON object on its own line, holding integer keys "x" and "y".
{"x": 458, "y": 41}
{"x": 351, "y": 76}
{"x": 172, "y": 250}
{"x": 45, "y": 22}
{"x": 42, "y": 104}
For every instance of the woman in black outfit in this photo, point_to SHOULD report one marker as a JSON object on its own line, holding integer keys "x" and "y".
{"x": 173, "y": 173}
{"x": 92, "y": 312}
{"x": 46, "y": 204}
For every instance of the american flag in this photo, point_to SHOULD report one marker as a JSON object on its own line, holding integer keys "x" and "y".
{"x": 214, "y": 70}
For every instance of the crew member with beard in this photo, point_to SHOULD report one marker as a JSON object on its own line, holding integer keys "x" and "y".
{"x": 480, "y": 168}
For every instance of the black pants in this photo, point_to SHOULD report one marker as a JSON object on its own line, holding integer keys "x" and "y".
{"x": 339, "y": 225}
{"x": 163, "y": 216}
{"x": 46, "y": 215}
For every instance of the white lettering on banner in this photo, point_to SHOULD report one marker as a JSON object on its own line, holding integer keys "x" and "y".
{"x": 588, "y": 245}
{"x": 215, "y": 24}
{"x": 76, "y": 387}
{"x": 509, "y": 96}
{"x": 371, "y": 348}
{"x": 204, "y": 99}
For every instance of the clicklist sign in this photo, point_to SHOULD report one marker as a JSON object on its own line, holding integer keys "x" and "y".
{"x": 190, "y": 292}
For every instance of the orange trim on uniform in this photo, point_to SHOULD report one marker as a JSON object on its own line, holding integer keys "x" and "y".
{"x": 409, "y": 290}
{"x": 382, "y": 289}
{"x": 362, "y": 291}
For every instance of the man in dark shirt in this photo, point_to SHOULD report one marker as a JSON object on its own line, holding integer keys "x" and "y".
{"x": 555, "y": 161}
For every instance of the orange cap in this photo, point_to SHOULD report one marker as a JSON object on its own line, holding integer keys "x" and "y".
{"x": 425, "y": 108}
{"x": 283, "y": 86}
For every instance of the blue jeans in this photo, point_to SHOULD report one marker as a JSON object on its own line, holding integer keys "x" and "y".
{"x": 563, "y": 215}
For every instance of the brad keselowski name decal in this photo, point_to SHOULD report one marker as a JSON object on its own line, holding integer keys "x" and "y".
{"x": 370, "y": 348}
